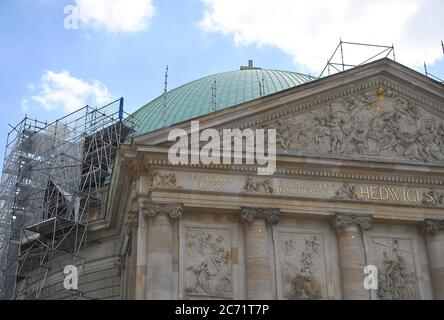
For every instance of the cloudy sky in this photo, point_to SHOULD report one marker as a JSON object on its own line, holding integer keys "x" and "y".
{"x": 57, "y": 56}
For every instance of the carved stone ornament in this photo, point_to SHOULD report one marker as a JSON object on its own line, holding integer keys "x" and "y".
{"x": 433, "y": 226}
{"x": 132, "y": 219}
{"x": 375, "y": 123}
{"x": 165, "y": 180}
{"x": 256, "y": 185}
{"x": 433, "y": 198}
{"x": 347, "y": 192}
{"x": 342, "y": 221}
{"x": 152, "y": 209}
{"x": 300, "y": 279}
{"x": 208, "y": 267}
{"x": 395, "y": 280}
{"x": 250, "y": 214}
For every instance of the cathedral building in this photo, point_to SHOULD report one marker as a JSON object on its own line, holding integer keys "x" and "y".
{"x": 353, "y": 210}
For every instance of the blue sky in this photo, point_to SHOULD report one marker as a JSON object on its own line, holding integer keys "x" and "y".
{"x": 194, "y": 37}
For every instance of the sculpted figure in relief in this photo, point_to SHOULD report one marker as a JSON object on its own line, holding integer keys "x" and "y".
{"x": 374, "y": 123}
{"x": 303, "y": 284}
{"x": 395, "y": 281}
{"x": 208, "y": 270}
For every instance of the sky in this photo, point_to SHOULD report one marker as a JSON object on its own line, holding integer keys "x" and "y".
{"x": 57, "y": 56}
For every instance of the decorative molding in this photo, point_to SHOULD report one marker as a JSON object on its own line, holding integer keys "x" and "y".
{"x": 152, "y": 209}
{"x": 342, "y": 221}
{"x": 347, "y": 192}
{"x": 249, "y": 214}
{"x": 432, "y": 226}
{"x": 258, "y": 185}
{"x": 315, "y": 173}
{"x": 433, "y": 198}
{"x": 137, "y": 166}
{"x": 163, "y": 180}
{"x": 132, "y": 219}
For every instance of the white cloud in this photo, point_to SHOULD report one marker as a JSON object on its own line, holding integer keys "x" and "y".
{"x": 61, "y": 91}
{"x": 310, "y": 30}
{"x": 116, "y": 15}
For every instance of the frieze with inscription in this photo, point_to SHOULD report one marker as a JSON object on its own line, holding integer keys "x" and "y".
{"x": 310, "y": 189}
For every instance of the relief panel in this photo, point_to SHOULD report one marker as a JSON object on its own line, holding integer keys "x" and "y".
{"x": 402, "y": 264}
{"x": 306, "y": 263}
{"x": 206, "y": 262}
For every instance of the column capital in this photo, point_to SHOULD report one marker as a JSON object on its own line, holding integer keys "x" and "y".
{"x": 152, "y": 209}
{"x": 249, "y": 214}
{"x": 432, "y": 226}
{"x": 342, "y": 221}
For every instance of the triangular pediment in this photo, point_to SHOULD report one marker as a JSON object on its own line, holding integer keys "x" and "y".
{"x": 375, "y": 124}
{"x": 382, "y": 112}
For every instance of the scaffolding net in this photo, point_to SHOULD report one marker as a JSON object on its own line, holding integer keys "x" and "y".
{"x": 55, "y": 180}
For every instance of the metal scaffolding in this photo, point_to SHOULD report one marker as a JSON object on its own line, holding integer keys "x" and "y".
{"x": 366, "y": 53}
{"x": 55, "y": 179}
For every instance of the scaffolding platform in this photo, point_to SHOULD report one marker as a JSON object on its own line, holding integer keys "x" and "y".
{"x": 56, "y": 226}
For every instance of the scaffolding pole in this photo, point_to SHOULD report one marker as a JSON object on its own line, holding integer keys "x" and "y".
{"x": 54, "y": 177}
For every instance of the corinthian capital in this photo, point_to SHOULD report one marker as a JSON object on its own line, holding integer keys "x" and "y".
{"x": 342, "y": 221}
{"x": 249, "y": 214}
{"x": 432, "y": 226}
{"x": 152, "y": 209}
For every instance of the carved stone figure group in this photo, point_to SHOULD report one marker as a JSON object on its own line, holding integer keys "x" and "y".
{"x": 367, "y": 124}
{"x": 209, "y": 271}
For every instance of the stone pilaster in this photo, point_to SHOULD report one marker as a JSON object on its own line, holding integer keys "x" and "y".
{"x": 141, "y": 255}
{"x": 258, "y": 264}
{"x": 434, "y": 235}
{"x": 352, "y": 258}
{"x": 159, "y": 279}
{"x": 130, "y": 262}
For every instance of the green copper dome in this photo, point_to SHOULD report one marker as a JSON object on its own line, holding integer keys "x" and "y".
{"x": 228, "y": 89}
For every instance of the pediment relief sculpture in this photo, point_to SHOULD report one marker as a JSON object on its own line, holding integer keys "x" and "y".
{"x": 375, "y": 123}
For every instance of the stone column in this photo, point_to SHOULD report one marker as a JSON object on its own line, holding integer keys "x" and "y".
{"x": 258, "y": 263}
{"x": 352, "y": 258}
{"x": 435, "y": 249}
{"x": 159, "y": 279}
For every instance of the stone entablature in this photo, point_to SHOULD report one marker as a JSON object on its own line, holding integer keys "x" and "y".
{"x": 310, "y": 189}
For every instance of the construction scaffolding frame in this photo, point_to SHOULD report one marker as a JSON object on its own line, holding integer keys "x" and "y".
{"x": 338, "y": 63}
{"x": 55, "y": 179}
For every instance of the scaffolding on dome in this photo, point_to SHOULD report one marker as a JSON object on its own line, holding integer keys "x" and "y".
{"x": 55, "y": 179}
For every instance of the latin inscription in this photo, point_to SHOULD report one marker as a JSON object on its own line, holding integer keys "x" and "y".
{"x": 324, "y": 190}
{"x": 305, "y": 188}
{"x": 210, "y": 182}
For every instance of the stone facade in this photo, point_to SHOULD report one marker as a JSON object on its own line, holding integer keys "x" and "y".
{"x": 359, "y": 181}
